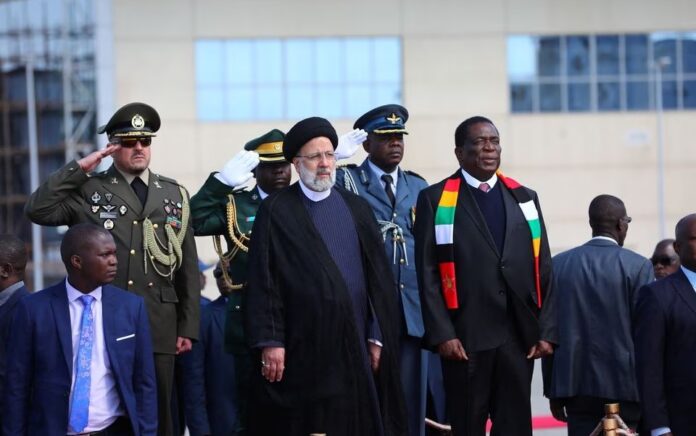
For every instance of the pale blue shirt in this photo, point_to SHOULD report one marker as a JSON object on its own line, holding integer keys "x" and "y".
{"x": 104, "y": 402}
{"x": 691, "y": 276}
{"x": 379, "y": 173}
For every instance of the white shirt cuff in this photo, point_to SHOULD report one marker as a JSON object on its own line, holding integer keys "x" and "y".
{"x": 660, "y": 431}
{"x": 376, "y": 342}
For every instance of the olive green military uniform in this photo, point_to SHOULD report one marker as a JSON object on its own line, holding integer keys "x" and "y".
{"x": 220, "y": 210}
{"x": 165, "y": 276}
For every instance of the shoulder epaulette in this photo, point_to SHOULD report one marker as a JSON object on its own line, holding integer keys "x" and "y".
{"x": 411, "y": 173}
{"x": 166, "y": 179}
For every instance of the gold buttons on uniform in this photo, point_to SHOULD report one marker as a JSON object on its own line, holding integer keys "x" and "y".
{"x": 401, "y": 261}
{"x": 132, "y": 252}
{"x": 149, "y": 285}
{"x": 130, "y": 282}
{"x": 135, "y": 223}
{"x": 155, "y": 226}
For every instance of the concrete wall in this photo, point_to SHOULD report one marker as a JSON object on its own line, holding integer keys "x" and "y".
{"x": 454, "y": 66}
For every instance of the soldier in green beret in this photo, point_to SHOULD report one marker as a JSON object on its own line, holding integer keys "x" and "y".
{"x": 223, "y": 207}
{"x": 148, "y": 216}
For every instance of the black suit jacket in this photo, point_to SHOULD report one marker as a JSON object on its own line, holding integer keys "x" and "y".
{"x": 665, "y": 341}
{"x": 6, "y": 311}
{"x": 496, "y": 291}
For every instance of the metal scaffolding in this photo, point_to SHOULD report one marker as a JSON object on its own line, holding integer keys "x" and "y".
{"x": 47, "y": 109}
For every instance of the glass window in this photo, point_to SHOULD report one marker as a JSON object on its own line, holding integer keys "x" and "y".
{"x": 669, "y": 94}
{"x": 521, "y": 96}
{"x": 607, "y": 54}
{"x": 260, "y": 79}
{"x": 689, "y": 94}
{"x": 689, "y": 52}
{"x": 550, "y": 97}
{"x": 549, "y": 56}
{"x": 578, "y": 97}
{"x": 578, "y": 55}
{"x": 638, "y": 95}
{"x": 521, "y": 58}
{"x": 608, "y": 96}
{"x": 636, "y": 54}
{"x": 665, "y": 46}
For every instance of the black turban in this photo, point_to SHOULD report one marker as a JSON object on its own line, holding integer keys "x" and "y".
{"x": 304, "y": 131}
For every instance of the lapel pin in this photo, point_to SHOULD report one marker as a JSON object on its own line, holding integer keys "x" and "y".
{"x": 122, "y": 210}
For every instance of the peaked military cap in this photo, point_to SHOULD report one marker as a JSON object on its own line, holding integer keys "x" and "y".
{"x": 133, "y": 119}
{"x": 269, "y": 146}
{"x": 390, "y": 118}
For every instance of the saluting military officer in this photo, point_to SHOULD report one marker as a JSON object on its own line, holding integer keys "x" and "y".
{"x": 223, "y": 207}
{"x": 148, "y": 216}
{"x": 392, "y": 193}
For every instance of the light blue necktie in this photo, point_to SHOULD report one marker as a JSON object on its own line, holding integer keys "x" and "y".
{"x": 79, "y": 410}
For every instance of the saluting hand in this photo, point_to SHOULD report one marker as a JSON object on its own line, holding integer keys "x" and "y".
{"x": 452, "y": 350}
{"x": 90, "y": 162}
{"x": 273, "y": 363}
{"x": 349, "y": 143}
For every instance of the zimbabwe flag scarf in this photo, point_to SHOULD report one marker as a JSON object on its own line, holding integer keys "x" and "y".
{"x": 444, "y": 233}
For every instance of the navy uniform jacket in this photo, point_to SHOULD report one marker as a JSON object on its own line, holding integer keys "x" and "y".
{"x": 399, "y": 223}
{"x": 209, "y": 395}
{"x": 39, "y": 374}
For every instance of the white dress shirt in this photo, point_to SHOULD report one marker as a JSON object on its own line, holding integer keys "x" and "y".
{"x": 475, "y": 183}
{"x": 104, "y": 402}
{"x": 262, "y": 193}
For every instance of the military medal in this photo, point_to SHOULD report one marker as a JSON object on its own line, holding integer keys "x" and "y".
{"x": 109, "y": 215}
{"x": 122, "y": 210}
{"x": 167, "y": 209}
{"x": 108, "y": 207}
{"x": 108, "y": 196}
{"x": 114, "y": 181}
{"x": 178, "y": 205}
{"x": 96, "y": 197}
{"x": 174, "y": 222}
{"x": 95, "y": 208}
{"x": 108, "y": 224}
{"x": 166, "y": 201}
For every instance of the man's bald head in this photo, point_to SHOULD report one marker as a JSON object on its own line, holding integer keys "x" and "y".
{"x": 13, "y": 260}
{"x": 78, "y": 239}
{"x": 608, "y": 217}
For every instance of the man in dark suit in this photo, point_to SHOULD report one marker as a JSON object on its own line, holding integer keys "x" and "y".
{"x": 148, "y": 217}
{"x": 208, "y": 391}
{"x": 484, "y": 270}
{"x": 13, "y": 260}
{"x": 596, "y": 286}
{"x": 665, "y": 342}
{"x": 81, "y": 351}
{"x": 664, "y": 259}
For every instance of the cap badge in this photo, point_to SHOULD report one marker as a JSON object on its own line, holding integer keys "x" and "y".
{"x": 137, "y": 122}
{"x": 393, "y": 118}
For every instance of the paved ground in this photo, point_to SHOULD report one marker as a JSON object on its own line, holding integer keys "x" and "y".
{"x": 540, "y": 405}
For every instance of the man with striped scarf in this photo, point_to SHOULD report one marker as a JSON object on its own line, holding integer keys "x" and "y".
{"x": 484, "y": 270}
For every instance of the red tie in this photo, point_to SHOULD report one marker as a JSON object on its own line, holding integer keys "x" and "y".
{"x": 485, "y": 187}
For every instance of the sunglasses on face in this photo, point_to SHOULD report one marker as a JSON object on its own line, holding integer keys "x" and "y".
{"x": 132, "y": 142}
{"x": 663, "y": 260}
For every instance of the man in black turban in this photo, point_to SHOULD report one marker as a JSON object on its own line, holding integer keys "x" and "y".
{"x": 321, "y": 313}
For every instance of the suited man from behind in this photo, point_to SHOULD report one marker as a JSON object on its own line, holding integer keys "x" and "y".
{"x": 82, "y": 354}
{"x": 13, "y": 260}
{"x": 209, "y": 394}
{"x": 596, "y": 287}
{"x": 484, "y": 270}
{"x": 666, "y": 344}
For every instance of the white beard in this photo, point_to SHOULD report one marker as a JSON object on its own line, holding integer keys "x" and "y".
{"x": 311, "y": 180}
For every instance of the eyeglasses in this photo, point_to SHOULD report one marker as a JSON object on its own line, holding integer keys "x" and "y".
{"x": 217, "y": 273}
{"x": 132, "y": 142}
{"x": 663, "y": 260}
{"x": 316, "y": 157}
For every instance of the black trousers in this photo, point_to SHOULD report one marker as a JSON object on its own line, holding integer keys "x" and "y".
{"x": 584, "y": 413}
{"x": 164, "y": 372}
{"x": 495, "y": 383}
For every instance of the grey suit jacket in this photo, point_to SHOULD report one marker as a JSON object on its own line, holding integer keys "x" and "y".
{"x": 596, "y": 286}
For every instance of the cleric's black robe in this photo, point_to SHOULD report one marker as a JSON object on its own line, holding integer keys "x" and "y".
{"x": 298, "y": 298}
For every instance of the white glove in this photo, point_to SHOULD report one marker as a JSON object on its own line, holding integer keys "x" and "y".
{"x": 237, "y": 170}
{"x": 349, "y": 143}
